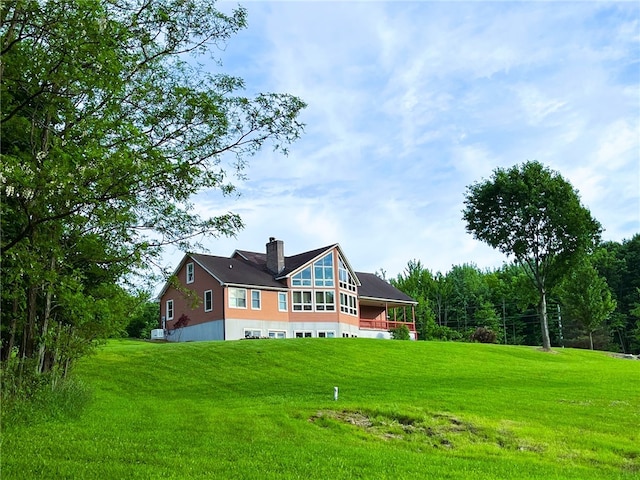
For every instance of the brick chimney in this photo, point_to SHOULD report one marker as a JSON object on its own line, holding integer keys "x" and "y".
{"x": 275, "y": 256}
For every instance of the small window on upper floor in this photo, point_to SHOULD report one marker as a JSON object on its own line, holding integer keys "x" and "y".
{"x": 190, "y": 273}
{"x": 208, "y": 300}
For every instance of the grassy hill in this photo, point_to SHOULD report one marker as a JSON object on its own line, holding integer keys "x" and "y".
{"x": 265, "y": 409}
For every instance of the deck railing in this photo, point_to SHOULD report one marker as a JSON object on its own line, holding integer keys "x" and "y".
{"x": 385, "y": 325}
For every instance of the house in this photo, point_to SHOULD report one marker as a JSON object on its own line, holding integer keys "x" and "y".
{"x": 250, "y": 294}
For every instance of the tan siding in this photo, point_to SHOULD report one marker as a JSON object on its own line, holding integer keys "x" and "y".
{"x": 268, "y": 311}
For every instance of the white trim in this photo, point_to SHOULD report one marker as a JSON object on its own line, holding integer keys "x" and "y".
{"x": 259, "y": 307}
{"x": 204, "y": 300}
{"x": 261, "y": 287}
{"x": 275, "y": 333}
{"x": 310, "y": 262}
{"x": 302, "y": 303}
{"x": 324, "y": 303}
{"x": 245, "y": 298}
{"x": 167, "y": 309}
{"x": 303, "y": 334}
{"x": 190, "y": 276}
{"x": 327, "y": 334}
{"x": 252, "y": 332}
{"x": 286, "y": 302}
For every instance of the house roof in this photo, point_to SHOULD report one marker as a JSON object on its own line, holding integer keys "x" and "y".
{"x": 237, "y": 271}
{"x": 245, "y": 268}
{"x": 374, "y": 288}
{"x": 291, "y": 264}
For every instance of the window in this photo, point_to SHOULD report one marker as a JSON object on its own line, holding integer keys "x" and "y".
{"x": 346, "y": 280}
{"x": 303, "y": 334}
{"x": 348, "y": 304}
{"x": 323, "y": 271}
{"x": 302, "y": 301}
{"x": 255, "y": 299}
{"x": 208, "y": 300}
{"x": 169, "y": 309}
{"x": 190, "y": 273}
{"x": 282, "y": 301}
{"x": 237, "y": 298}
{"x": 277, "y": 334}
{"x": 252, "y": 333}
{"x": 326, "y": 334}
{"x": 302, "y": 279}
{"x": 325, "y": 301}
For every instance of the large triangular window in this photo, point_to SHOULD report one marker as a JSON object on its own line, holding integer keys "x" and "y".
{"x": 346, "y": 280}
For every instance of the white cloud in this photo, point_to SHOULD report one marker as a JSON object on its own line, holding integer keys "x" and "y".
{"x": 410, "y": 102}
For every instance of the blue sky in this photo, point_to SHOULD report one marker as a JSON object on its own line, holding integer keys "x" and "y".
{"x": 411, "y": 102}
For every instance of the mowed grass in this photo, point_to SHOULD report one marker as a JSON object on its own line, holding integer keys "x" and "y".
{"x": 265, "y": 409}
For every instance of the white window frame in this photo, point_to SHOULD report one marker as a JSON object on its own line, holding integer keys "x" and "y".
{"x": 275, "y": 334}
{"x": 204, "y": 300}
{"x": 169, "y": 308}
{"x": 259, "y": 307}
{"x": 282, "y": 298}
{"x": 348, "y": 304}
{"x": 191, "y": 272}
{"x": 251, "y": 333}
{"x": 236, "y": 298}
{"x": 302, "y": 305}
{"x": 326, "y": 334}
{"x": 348, "y": 283}
{"x": 326, "y": 279}
{"x": 303, "y": 334}
{"x": 299, "y": 281}
{"x": 324, "y": 306}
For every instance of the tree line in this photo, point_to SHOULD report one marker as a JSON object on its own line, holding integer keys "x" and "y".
{"x": 110, "y": 122}
{"x": 451, "y": 306}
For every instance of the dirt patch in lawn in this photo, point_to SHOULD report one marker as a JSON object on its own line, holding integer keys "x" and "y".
{"x": 438, "y": 430}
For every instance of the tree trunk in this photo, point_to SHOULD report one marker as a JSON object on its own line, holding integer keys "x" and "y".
{"x": 45, "y": 323}
{"x": 6, "y": 353}
{"x": 590, "y": 339}
{"x": 546, "y": 342}
{"x": 30, "y": 327}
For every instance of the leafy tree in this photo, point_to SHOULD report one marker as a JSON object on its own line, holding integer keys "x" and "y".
{"x": 109, "y": 125}
{"x": 533, "y": 214}
{"x": 486, "y": 317}
{"x": 586, "y": 298}
{"x": 619, "y": 263}
{"x": 442, "y": 291}
{"x": 144, "y": 319}
{"x": 468, "y": 292}
{"x": 416, "y": 281}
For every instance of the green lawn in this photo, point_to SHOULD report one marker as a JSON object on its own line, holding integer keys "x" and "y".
{"x": 265, "y": 409}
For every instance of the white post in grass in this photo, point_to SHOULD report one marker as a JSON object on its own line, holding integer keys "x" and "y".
{"x": 335, "y": 393}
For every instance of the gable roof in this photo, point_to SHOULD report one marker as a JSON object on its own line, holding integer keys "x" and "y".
{"x": 291, "y": 264}
{"x": 245, "y": 268}
{"x": 237, "y": 271}
{"x": 374, "y": 288}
